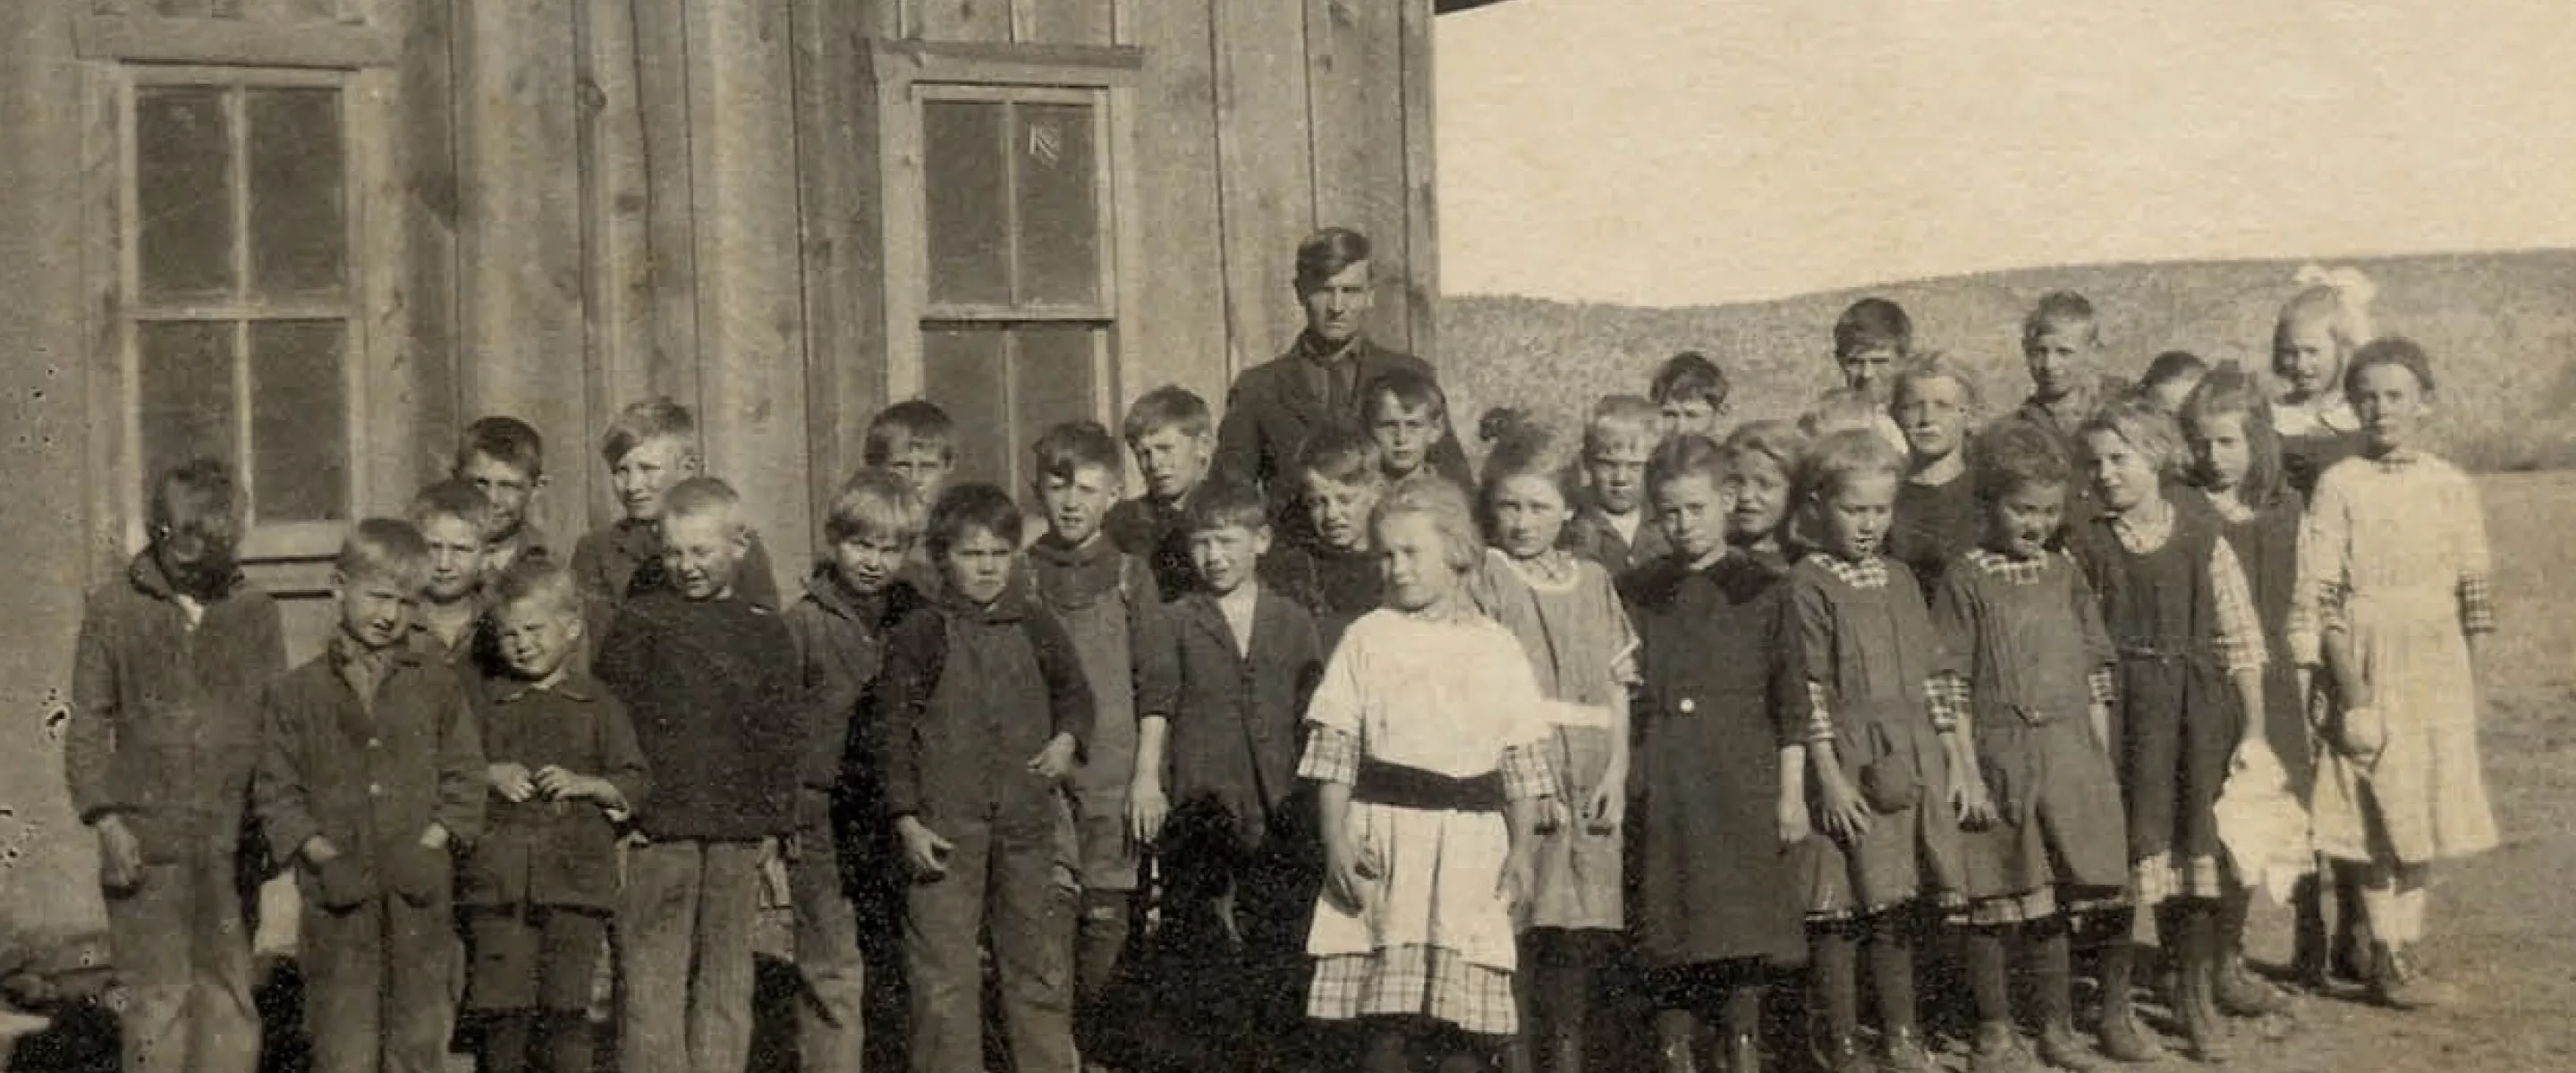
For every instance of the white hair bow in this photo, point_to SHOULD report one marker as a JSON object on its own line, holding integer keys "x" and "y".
{"x": 2353, "y": 292}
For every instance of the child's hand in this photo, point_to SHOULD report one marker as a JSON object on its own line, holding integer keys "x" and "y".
{"x": 1056, "y": 760}
{"x": 1795, "y": 825}
{"x": 1972, "y": 801}
{"x": 1147, "y": 808}
{"x": 120, "y": 855}
{"x": 560, "y": 785}
{"x": 1513, "y": 886}
{"x": 1345, "y": 876}
{"x": 511, "y": 781}
{"x": 923, "y": 848}
{"x": 1608, "y": 807}
{"x": 1846, "y": 817}
{"x": 1549, "y": 816}
{"x": 319, "y": 851}
{"x": 2363, "y": 734}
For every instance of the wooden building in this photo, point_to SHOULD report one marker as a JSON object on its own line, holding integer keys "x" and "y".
{"x": 316, "y": 237}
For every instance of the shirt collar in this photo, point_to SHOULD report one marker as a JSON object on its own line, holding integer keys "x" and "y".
{"x": 574, "y": 687}
{"x": 1316, "y": 350}
{"x": 147, "y": 576}
{"x": 348, "y": 657}
{"x": 1084, "y": 554}
{"x": 2397, "y": 461}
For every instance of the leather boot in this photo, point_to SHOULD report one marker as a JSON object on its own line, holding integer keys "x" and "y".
{"x": 1739, "y": 1053}
{"x": 1837, "y": 1053}
{"x": 2239, "y": 994}
{"x": 1904, "y": 1053}
{"x": 2204, "y": 1034}
{"x": 1676, "y": 1042}
{"x": 1387, "y": 1052}
{"x": 1998, "y": 1050}
{"x": 2058, "y": 1049}
{"x": 1565, "y": 1051}
{"x": 2403, "y": 984}
{"x": 2122, "y": 1039}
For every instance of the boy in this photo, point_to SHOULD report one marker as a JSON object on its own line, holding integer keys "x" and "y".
{"x": 163, "y": 734}
{"x": 1610, "y": 526}
{"x": 1691, "y": 391}
{"x": 852, "y": 600}
{"x": 372, "y": 776}
{"x": 1938, "y": 513}
{"x": 1872, "y": 339}
{"x": 2061, "y": 346}
{"x": 1168, "y": 431}
{"x": 1221, "y": 692}
{"x": 1274, "y": 407}
{"x": 1103, "y": 597}
{"x": 455, "y": 520}
{"x": 1408, "y": 416}
{"x": 984, "y": 705}
{"x": 536, "y": 894}
{"x": 505, "y": 458}
{"x": 649, "y": 447}
{"x": 710, "y": 679}
{"x": 917, "y": 441}
{"x": 1326, "y": 563}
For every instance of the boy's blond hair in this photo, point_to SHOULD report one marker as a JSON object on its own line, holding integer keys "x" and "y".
{"x": 389, "y": 548}
{"x": 1622, "y": 421}
{"x": 704, "y": 497}
{"x": 1169, "y": 406}
{"x": 453, "y": 498}
{"x": 538, "y": 582}
{"x": 875, "y": 503}
{"x": 910, "y": 423}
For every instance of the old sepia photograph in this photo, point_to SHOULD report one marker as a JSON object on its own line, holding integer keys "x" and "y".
{"x": 1286, "y": 536}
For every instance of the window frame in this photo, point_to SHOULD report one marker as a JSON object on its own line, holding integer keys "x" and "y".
{"x": 911, "y": 74}
{"x": 124, "y": 56}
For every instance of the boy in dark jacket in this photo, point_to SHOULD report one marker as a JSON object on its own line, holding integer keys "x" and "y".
{"x": 1221, "y": 693}
{"x": 650, "y": 448}
{"x": 163, "y": 735}
{"x": 538, "y": 891}
{"x": 1324, "y": 559}
{"x": 709, "y": 677}
{"x": 984, "y": 705}
{"x": 841, "y": 875}
{"x": 1171, "y": 435}
{"x": 371, "y": 777}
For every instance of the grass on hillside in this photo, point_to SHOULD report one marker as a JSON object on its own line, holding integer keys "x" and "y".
{"x": 2501, "y": 329}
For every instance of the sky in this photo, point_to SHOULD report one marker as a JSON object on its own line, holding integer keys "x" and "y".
{"x": 1677, "y": 152}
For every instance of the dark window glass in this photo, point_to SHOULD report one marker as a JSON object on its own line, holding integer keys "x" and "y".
{"x": 186, "y": 392}
{"x": 299, "y": 420}
{"x": 962, "y": 372}
{"x": 182, "y": 193}
{"x": 1059, "y": 205}
{"x": 298, "y": 225}
{"x": 968, "y": 197}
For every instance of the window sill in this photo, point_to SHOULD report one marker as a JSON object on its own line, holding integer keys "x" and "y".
{"x": 232, "y": 42}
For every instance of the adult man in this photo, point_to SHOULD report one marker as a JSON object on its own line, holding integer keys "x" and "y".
{"x": 1274, "y": 406}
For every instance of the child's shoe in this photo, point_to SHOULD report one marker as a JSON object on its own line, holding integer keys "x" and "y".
{"x": 1904, "y": 1053}
{"x": 2058, "y": 1049}
{"x": 2124, "y": 1040}
{"x": 1739, "y": 1053}
{"x": 1839, "y": 1054}
{"x": 2403, "y": 984}
{"x": 2241, "y": 995}
{"x": 1998, "y": 1050}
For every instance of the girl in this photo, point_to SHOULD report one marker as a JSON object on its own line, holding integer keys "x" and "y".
{"x": 2190, "y": 704}
{"x": 2236, "y": 463}
{"x": 2316, "y": 333}
{"x": 2038, "y": 680}
{"x": 2318, "y": 329}
{"x": 1428, "y": 740}
{"x": 2393, "y": 570}
{"x": 1758, "y": 459}
{"x": 1881, "y": 738}
{"x": 1724, "y": 786}
{"x": 1937, "y": 512}
{"x": 1568, "y": 619}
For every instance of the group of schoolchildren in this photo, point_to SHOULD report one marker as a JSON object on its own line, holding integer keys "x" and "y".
{"x": 1396, "y": 766}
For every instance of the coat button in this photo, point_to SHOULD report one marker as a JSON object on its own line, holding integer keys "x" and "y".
{"x": 375, "y": 790}
{"x": 374, "y": 743}
{"x": 1687, "y": 706}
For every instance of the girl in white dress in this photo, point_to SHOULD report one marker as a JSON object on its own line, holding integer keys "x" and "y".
{"x": 1427, "y": 735}
{"x": 2393, "y": 595}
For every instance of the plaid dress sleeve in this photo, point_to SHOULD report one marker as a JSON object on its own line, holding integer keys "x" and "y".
{"x": 2476, "y": 587}
{"x": 2238, "y": 639}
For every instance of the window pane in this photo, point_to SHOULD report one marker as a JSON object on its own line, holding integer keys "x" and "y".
{"x": 299, "y": 420}
{"x": 298, "y": 229}
{"x": 182, "y": 193}
{"x": 962, "y": 373}
{"x": 1053, "y": 374}
{"x": 968, "y": 211}
{"x": 1059, "y": 205}
{"x": 185, "y": 392}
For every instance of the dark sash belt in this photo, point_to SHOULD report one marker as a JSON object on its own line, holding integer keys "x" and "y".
{"x": 1381, "y": 783}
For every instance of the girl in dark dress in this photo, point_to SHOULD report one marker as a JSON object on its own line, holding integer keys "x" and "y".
{"x": 2190, "y": 706}
{"x": 1720, "y": 767}
{"x": 2236, "y": 462}
{"x": 1937, "y": 511}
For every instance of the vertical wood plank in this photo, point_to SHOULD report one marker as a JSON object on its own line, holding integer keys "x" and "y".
{"x": 619, "y": 326}
{"x": 663, "y": 80}
{"x": 1179, "y": 271}
{"x": 1421, "y": 189}
{"x": 1354, "y": 78}
{"x": 519, "y": 242}
{"x": 423, "y": 160}
{"x": 112, "y": 471}
{"x": 843, "y": 252}
{"x": 963, "y": 20}
{"x": 388, "y": 390}
{"x": 750, "y": 302}
{"x": 1265, "y": 166}
{"x": 1066, "y": 22}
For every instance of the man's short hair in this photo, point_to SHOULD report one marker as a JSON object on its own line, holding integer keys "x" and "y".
{"x": 1328, "y": 253}
{"x": 1411, "y": 390}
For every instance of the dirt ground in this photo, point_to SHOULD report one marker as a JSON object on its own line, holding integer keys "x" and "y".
{"x": 2502, "y": 925}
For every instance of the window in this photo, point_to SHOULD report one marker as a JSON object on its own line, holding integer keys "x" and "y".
{"x": 238, "y": 298}
{"x": 1019, "y": 294}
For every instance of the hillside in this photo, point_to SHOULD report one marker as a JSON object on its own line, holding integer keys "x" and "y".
{"x": 2501, "y": 328}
